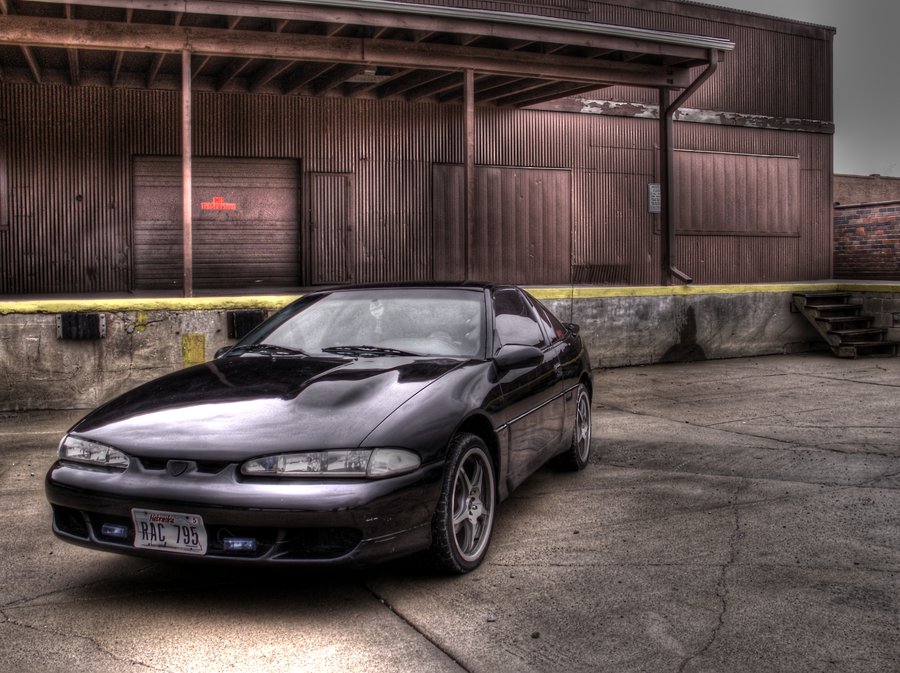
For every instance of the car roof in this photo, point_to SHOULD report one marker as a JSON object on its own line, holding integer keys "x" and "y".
{"x": 462, "y": 285}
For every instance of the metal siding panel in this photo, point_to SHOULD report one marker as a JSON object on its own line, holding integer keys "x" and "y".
{"x": 330, "y": 227}
{"x": 66, "y": 232}
{"x": 779, "y": 68}
{"x": 448, "y": 217}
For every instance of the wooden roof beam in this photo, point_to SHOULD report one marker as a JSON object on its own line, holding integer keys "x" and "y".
{"x": 72, "y": 54}
{"x": 449, "y": 82}
{"x": 511, "y": 88}
{"x": 335, "y": 77}
{"x": 542, "y": 94}
{"x": 235, "y": 69}
{"x": 365, "y": 87}
{"x": 232, "y": 71}
{"x": 120, "y": 55}
{"x": 403, "y": 84}
{"x": 33, "y": 65}
{"x": 155, "y": 66}
{"x": 306, "y": 75}
{"x": 272, "y": 70}
{"x": 27, "y": 54}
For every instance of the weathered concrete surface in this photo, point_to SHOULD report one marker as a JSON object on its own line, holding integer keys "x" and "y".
{"x": 637, "y": 330}
{"x": 42, "y": 372}
{"x": 739, "y": 515}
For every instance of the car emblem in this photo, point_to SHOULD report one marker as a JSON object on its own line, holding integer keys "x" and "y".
{"x": 177, "y": 467}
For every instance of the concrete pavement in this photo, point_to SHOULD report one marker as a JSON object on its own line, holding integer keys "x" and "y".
{"x": 738, "y": 515}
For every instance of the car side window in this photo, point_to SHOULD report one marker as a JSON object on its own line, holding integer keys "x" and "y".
{"x": 515, "y": 322}
{"x": 553, "y": 326}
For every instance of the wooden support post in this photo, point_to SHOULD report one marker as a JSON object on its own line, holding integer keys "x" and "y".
{"x": 186, "y": 175}
{"x": 469, "y": 228}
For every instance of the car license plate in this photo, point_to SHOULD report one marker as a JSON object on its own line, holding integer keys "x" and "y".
{"x": 170, "y": 531}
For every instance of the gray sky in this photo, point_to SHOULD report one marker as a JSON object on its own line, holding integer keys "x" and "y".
{"x": 866, "y": 80}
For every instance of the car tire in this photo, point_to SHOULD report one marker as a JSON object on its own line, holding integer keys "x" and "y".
{"x": 579, "y": 452}
{"x": 464, "y": 519}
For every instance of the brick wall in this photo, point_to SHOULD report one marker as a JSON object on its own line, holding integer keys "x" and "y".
{"x": 867, "y": 241}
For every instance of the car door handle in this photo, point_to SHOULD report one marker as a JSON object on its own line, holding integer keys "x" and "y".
{"x": 558, "y": 369}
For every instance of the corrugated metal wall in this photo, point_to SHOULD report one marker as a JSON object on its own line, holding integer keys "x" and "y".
{"x": 368, "y": 165}
{"x": 778, "y": 68}
{"x": 70, "y": 153}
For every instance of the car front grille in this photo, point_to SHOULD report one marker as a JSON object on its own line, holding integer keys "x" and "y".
{"x": 279, "y": 544}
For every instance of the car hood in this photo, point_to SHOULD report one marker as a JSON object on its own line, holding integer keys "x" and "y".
{"x": 235, "y": 408}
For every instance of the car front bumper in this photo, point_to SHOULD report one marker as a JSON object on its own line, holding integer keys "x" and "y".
{"x": 302, "y": 521}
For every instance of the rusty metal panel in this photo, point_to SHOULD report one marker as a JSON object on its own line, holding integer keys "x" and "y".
{"x": 522, "y": 228}
{"x": 759, "y": 195}
{"x": 330, "y": 227}
{"x": 450, "y": 240}
{"x": 245, "y": 215}
{"x": 811, "y": 256}
{"x": 615, "y": 240}
{"x": 779, "y": 68}
{"x": 66, "y": 233}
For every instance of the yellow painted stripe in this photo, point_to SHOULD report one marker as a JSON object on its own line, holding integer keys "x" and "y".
{"x": 701, "y": 290}
{"x": 275, "y": 302}
{"x": 267, "y": 302}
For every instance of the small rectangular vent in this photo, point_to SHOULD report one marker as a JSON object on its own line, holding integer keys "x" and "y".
{"x": 240, "y": 323}
{"x": 83, "y": 326}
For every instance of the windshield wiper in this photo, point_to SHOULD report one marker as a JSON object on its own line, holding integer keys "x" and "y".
{"x": 267, "y": 349}
{"x": 365, "y": 351}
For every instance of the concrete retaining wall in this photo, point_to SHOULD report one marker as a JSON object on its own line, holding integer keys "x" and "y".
{"x": 622, "y": 326}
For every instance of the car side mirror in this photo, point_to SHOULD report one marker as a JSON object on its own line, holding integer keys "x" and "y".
{"x": 513, "y": 356}
{"x": 574, "y": 328}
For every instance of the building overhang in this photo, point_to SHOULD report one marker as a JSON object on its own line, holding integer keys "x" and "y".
{"x": 339, "y": 48}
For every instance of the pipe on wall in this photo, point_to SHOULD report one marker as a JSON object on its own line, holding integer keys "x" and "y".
{"x": 667, "y": 165}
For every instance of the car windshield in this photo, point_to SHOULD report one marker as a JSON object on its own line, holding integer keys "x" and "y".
{"x": 385, "y": 322}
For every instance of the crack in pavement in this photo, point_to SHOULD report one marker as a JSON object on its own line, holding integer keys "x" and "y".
{"x": 733, "y": 431}
{"x": 402, "y": 617}
{"x": 30, "y": 601}
{"x": 722, "y": 588}
{"x": 688, "y": 564}
{"x": 867, "y": 483}
{"x": 7, "y": 620}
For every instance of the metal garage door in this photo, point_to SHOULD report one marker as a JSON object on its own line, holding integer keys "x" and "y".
{"x": 245, "y": 214}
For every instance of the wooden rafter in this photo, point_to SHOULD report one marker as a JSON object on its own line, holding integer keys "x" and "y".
{"x": 120, "y": 55}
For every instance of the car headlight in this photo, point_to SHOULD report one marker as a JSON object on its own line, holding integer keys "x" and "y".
{"x": 372, "y": 463}
{"x": 92, "y": 453}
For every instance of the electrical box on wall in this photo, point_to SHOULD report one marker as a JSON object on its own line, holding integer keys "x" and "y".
{"x": 81, "y": 326}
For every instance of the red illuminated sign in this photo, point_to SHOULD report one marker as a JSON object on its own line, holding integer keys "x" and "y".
{"x": 218, "y": 203}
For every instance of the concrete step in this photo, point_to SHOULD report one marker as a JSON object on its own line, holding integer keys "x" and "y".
{"x": 816, "y": 298}
{"x": 836, "y": 309}
{"x": 847, "y": 321}
{"x": 855, "y": 334}
{"x": 884, "y": 349}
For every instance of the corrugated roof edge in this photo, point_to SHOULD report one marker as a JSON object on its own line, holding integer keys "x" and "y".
{"x": 748, "y": 12}
{"x": 531, "y": 20}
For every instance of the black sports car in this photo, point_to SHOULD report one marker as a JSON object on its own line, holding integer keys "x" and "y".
{"x": 357, "y": 423}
